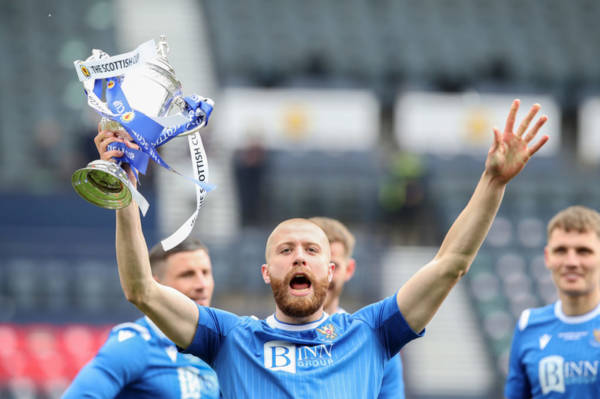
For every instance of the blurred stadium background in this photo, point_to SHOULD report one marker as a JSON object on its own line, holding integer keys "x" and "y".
{"x": 378, "y": 113}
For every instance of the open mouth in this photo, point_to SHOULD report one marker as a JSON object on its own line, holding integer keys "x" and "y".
{"x": 300, "y": 282}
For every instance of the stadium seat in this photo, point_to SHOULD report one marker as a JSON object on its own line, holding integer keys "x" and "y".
{"x": 501, "y": 233}
{"x": 24, "y": 287}
{"x": 531, "y": 232}
{"x": 78, "y": 344}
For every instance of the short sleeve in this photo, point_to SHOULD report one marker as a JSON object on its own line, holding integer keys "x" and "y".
{"x": 213, "y": 327}
{"x": 385, "y": 317}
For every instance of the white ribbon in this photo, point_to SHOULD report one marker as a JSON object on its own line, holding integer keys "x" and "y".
{"x": 200, "y": 167}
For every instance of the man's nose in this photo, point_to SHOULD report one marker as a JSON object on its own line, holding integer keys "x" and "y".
{"x": 200, "y": 281}
{"x": 572, "y": 258}
{"x": 300, "y": 258}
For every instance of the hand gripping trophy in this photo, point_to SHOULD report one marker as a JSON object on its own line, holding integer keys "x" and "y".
{"x": 139, "y": 97}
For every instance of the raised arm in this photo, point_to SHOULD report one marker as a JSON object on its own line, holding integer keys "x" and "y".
{"x": 173, "y": 312}
{"x": 423, "y": 293}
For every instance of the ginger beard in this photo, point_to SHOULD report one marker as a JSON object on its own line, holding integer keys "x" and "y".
{"x": 299, "y": 306}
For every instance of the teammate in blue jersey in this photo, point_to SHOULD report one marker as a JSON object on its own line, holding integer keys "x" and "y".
{"x": 341, "y": 243}
{"x": 300, "y": 351}
{"x": 556, "y": 349}
{"x": 138, "y": 360}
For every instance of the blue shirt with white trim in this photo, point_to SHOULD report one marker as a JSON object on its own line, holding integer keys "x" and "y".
{"x": 554, "y": 355}
{"x": 337, "y": 356}
{"x": 139, "y": 361}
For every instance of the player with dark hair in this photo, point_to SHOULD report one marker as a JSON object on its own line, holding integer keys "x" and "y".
{"x": 300, "y": 351}
{"x": 556, "y": 348}
{"x": 138, "y": 360}
{"x": 341, "y": 244}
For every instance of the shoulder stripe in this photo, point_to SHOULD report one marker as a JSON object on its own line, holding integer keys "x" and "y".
{"x": 143, "y": 331}
{"x": 524, "y": 319}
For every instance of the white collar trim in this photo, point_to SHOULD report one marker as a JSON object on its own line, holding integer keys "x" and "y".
{"x": 274, "y": 323}
{"x": 558, "y": 312}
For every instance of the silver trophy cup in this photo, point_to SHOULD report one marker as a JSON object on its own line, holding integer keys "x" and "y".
{"x": 151, "y": 88}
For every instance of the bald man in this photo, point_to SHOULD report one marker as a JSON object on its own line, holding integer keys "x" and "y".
{"x": 300, "y": 350}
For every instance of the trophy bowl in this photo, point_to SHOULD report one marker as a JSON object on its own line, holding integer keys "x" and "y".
{"x": 102, "y": 184}
{"x": 151, "y": 88}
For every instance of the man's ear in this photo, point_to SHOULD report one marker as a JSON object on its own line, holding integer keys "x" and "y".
{"x": 350, "y": 268}
{"x": 264, "y": 270}
{"x": 330, "y": 271}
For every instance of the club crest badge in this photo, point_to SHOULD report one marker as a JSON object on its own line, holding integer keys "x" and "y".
{"x": 328, "y": 331}
{"x": 595, "y": 339}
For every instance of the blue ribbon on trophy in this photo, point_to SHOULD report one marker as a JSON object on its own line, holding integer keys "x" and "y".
{"x": 103, "y": 74}
{"x": 149, "y": 134}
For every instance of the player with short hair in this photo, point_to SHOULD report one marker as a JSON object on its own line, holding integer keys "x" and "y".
{"x": 556, "y": 348}
{"x": 138, "y": 360}
{"x": 341, "y": 243}
{"x": 300, "y": 351}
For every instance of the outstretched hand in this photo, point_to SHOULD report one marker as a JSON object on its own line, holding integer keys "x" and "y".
{"x": 511, "y": 150}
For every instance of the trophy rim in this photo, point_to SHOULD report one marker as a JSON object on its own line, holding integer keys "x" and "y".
{"x": 92, "y": 191}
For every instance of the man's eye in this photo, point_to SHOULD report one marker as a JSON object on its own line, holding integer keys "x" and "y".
{"x": 285, "y": 250}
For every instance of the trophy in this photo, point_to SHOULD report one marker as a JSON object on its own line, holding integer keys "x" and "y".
{"x": 150, "y": 87}
{"x": 141, "y": 100}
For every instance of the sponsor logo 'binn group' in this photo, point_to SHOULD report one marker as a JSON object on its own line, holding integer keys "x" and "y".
{"x": 556, "y": 373}
{"x": 288, "y": 357}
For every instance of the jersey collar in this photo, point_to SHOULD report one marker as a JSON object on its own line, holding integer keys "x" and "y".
{"x": 558, "y": 312}
{"x": 274, "y": 323}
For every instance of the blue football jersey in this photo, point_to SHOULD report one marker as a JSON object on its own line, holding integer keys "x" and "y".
{"x": 139, "y": 361}
{"x": 392, "y": 386}
{"x": 554, "y": 355}
{"x": 338, "y": 356}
